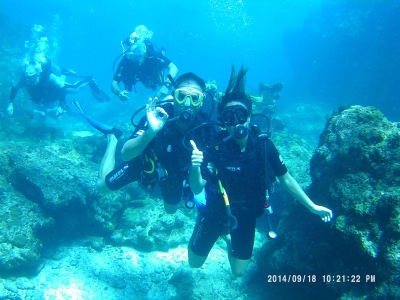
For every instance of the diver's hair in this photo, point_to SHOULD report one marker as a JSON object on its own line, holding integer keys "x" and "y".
{"x": 236, "y": 90}
{"x": 190, "y": 76}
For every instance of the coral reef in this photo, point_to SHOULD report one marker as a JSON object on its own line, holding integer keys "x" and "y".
{"x": 355, "y": 172}
{"x": 21, "y": 224}
{"x": 148, "y": 228}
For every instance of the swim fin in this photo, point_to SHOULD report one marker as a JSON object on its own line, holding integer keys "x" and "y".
{"x": 98, "y": 93}
{"x": 103, "y": 128}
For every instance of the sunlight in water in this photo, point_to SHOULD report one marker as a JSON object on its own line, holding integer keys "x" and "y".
{"x": 74, "y": 291}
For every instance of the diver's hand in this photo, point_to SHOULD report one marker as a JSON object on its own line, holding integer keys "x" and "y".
{"x": 197, "y": 155}
{"x": 124, "y": 95}
{"x": 156, "y": 116}
{"x": 10, "y": 109}
{"x": 325, "y": 213}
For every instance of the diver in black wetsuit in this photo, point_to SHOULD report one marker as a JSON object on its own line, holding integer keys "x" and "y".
{"x": 142, "y": 62}
{"x": 46, "y": 85}
{"x": 48, "y": 90}
{"x": 154, "y": 153}
{"x": 234, "y": 177}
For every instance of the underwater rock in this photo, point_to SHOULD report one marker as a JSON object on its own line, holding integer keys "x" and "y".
{"x": 149, "y": 228}
{"x": 54, "y": 177}
{"x": 356, "y": 168}
{"x": 296, "y": 153}
{"x": 355, "y": 172}
{"x": 62, "y": 182}
{"x": 21, "y": 223}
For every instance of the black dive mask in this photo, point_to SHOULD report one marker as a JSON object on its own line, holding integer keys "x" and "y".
{"x": 234, "y": 115}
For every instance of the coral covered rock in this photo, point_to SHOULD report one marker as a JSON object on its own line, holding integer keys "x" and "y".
{"x": 62, "y": 182}
{"x": 148, "y": 228}
{"x": 355, "y": 172}
{"x": 356, "y": 168}
{"x": 21, "y": 223}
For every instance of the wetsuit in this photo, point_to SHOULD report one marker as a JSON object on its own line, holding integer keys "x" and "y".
{"x": 45, "y": 92}
{"x": 164, "y": 160}
{"x": 149, "y": 72}
{"x": 245, "y": 177}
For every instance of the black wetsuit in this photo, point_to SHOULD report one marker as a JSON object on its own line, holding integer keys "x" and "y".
{"x": 245, "y": 177}
{"x": 149, "y": 72}
{"x": 45, "y": 92}
{"x": 164, "y": 160}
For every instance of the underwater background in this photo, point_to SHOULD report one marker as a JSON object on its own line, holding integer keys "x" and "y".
{"x": 60, "y": 239}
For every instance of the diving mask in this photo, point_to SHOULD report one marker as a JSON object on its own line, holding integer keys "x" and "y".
{"x": 234, "y": 115}
{"x": 196, "y": 97}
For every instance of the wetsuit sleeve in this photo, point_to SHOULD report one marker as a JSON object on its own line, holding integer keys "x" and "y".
{"x": 14, "y": 89}
{"x": 166, "y": 61}
{"x": 275, "y": 159}
{"x": 118, "y": 76}
{"x": 141, "y": 128}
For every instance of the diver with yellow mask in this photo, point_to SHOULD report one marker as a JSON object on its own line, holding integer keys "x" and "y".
{"x": 154, "y": 154}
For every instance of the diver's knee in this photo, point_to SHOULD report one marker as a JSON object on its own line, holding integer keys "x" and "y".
{"x": 238, "y": 272}
{"x": 170, "y": 208}
{"x": 194, "y": 265}
{"x": 101, "y": 186}
{"x": 239, "y": 267}
{"x": 195, "y": 261}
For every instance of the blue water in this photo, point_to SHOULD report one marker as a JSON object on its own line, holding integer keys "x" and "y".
{"x": 329, "y": 52}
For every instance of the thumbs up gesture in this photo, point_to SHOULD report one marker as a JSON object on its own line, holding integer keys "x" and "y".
{"x": 197, "y": 155}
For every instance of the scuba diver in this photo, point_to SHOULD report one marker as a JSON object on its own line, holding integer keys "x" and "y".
{"x": 46, "y": 84}
{"x": 48, "y": 90}
{"x": 270, "y": 94}
{"x": 154, "y": 154}
{"x": 141, "y": 61}
{"x": 229, "y": 182}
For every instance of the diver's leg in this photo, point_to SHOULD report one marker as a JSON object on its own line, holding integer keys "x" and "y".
{"x": 204, "y": 236}
{"x": 39, "y": 112}
{"x": 195, "y": 261}
{"x": 242, "y": 242}
{"x": 239, "y": 266}
{"x": 170, "y": 208}
{"x": 108, "y": 162}
{"x": 171, "y": 189}
{"x": 113, "y": 178}
{"x": 103, "y": 128}
{"x": 78, "y": 84}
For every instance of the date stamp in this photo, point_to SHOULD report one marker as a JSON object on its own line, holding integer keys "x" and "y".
{"x": 291, "y": 278}
{"x": 326, "y": 278}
